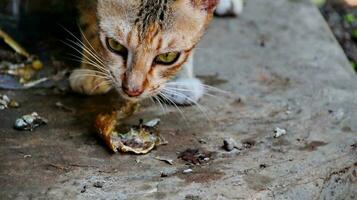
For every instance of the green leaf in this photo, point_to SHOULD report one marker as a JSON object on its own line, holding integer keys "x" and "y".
{"x": 350, "y": 18}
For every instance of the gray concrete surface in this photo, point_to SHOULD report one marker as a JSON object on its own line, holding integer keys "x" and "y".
{"x": 299, "y": 81}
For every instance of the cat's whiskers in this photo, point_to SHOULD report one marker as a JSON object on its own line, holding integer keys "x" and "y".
{"x": 92, "y": 52}
{"x": 103, "y": 82}
{"x": 92, "y": 75}
{"x": 77, "y": 58}
{"x": 173, "y": 103}
{"x": 92, "y": 58}
{"x": 160, "y": 104}
{"x": 95, "y": 72}
{"x": 219, "y": 98}
{"x": 83, "y": 48}
{"x": 91, "y": 46}
{"x": 207, "y": 87}
{"x": 197, "y": 105}
{"x": 102, "y": 72}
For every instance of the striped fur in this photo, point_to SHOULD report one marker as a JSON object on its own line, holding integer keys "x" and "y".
{"x": 147, "y": 28}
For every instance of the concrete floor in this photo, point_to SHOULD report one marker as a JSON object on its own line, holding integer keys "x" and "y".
{"x": 284, "y": 69}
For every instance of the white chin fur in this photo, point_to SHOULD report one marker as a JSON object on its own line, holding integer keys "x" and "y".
{"x": 190, "y": 90}
{"x": 229, "y": 7}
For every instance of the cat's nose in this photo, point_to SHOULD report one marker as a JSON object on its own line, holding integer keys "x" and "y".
{"x": 132, "y": 92}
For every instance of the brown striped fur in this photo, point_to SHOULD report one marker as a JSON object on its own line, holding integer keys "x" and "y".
{"x": 146, "y": 28}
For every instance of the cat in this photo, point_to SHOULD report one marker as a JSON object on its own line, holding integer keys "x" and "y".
{"x": 144, "y": 48}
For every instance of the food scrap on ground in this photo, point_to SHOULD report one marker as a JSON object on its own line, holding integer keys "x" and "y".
{"x": 29, "y": 122}
{"x": 140, "y": 139}
{"x": 61, "y": 106}
{"x": 6, "y": 102}
{"x": 195, "y": 156}
{"x": 166, "y": 160}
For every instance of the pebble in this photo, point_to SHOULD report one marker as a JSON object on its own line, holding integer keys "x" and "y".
{"x": 84, "y": 189}
{"x": 98, "y": 184}
{"x": 187, "y": 171}
{"x": 4, "y": 102}
{"x": 279, "y": 132}
{"x": 229, "y": 144}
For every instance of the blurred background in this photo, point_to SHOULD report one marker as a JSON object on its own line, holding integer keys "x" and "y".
{"x": 38, "y": 26}
{"x": 341, "y": 16}
{"x": 37, "y": 23}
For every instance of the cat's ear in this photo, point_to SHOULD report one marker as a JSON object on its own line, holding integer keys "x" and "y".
{"x": 207, "y": 5}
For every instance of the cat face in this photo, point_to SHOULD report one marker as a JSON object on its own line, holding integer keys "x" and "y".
{"x": 146, "y": 42}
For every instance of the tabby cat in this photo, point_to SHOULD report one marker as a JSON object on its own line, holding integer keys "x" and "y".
{"x": 144, "y": 48}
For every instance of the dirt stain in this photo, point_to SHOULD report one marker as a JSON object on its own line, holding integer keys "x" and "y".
{"x": 257, "y": 182}
{"x": 281, "y": 142}
{"x": 249, "y": 143}
{"x": 312, "y": 146}
{"x": 204, "y": 176}
{"x": 195, "y": 156}
{"x": 274, "y": 80}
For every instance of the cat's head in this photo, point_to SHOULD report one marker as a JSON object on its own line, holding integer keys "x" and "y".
{"x": 146, "y": 42}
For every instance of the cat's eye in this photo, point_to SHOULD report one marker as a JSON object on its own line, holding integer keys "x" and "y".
{"x": 116, "y": 47}
{"x": 167, "y": 58}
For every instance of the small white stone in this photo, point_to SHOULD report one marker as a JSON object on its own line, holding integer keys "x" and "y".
{"x": 279, "y": 132}
{"x": 6, "y": 98}
{"x": 20, "y": 123}
{"x": 28, "y": 118}
{"x": 153, "y": 123}
{"x": 187, "y": 171}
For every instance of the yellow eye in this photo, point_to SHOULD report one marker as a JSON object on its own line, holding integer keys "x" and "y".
{"x": 167, "y": 58}
{"x": 116, "y": 47}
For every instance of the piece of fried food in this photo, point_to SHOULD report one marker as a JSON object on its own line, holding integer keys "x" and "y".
{"x": 140, "y": 139}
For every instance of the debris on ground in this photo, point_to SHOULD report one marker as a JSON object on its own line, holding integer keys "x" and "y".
{"x": 168, "y": 172}
{"x": 84, "y": 189}
{"x": 195, "y": 156}
{"x": 229, "y": 144}
{"x": 168, "y": 161}
{"x": 6, "y": 102}
{"x": 187, "y": 171}
{"x": 140, "y": 139}
{"x": 61, "y": 106}
{"x": 98, "y": 184}
{"x": 247, "y": 144}
{"x": 192, "y": 197}
{"x": 263, "y": 166}
{"x": 279, "y": 132}
{"x": 29, "y": 122}
{"x": 21, "y": 64}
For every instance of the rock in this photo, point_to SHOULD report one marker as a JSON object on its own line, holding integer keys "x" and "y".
{"x": 279, "y": 132}
{"x": 187, "y": 171}
{"x": 229, "y": 144}
{"x": 98, "y": 184}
